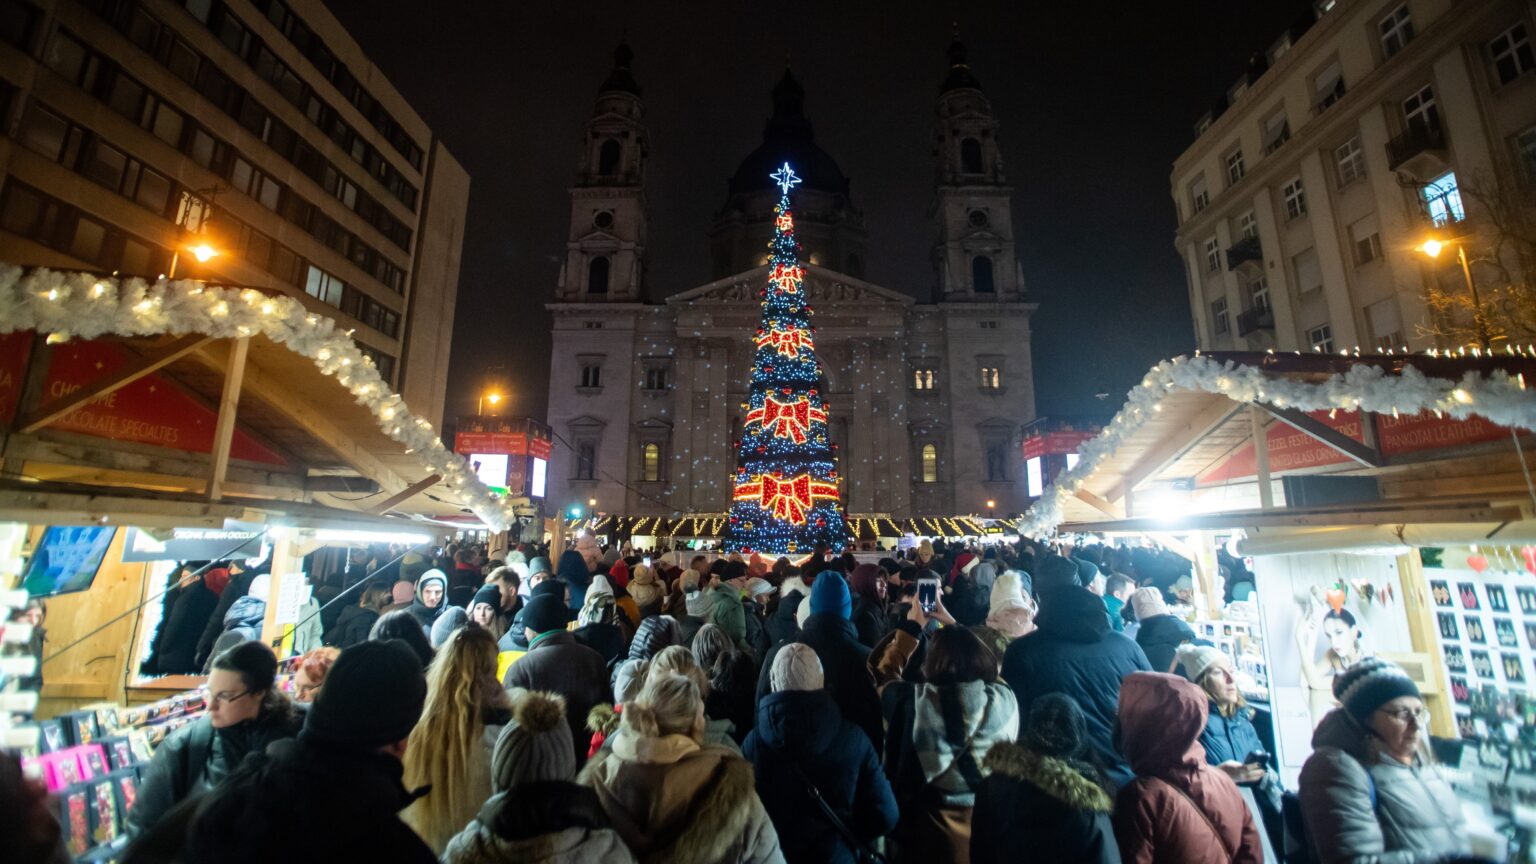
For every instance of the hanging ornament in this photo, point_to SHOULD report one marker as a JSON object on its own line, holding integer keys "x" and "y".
{"x": 1529, "y": 554}
{"x": 1478, "y": 562}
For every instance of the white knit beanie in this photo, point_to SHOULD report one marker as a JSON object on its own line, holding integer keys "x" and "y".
{"x": 796, "y": 668}
{"x": 1200, "y": 659}
{"x": 1148, "y": 602}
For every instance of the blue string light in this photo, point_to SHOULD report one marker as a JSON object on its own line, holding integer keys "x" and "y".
{"x": 786, "y": 495}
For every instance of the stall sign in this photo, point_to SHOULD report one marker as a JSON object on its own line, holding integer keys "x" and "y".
{"x": 1056, "y": 442}
{"x": 195, "y": 544}
{"x": 14, "y": 348}
{"x": 151, "y": 410}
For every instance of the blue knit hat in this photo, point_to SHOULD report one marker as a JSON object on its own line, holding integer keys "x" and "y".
{"x": 1370, "y": 684}
{"x": 830, "y": 594}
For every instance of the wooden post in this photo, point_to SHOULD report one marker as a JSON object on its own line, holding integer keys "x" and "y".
{"x": 556, "y": 528}
{"x": 1423, "y": 633}
{"x": 224, "y": 432}
{"x": 286, "y": 564}
{"x": 1261, "y": 458}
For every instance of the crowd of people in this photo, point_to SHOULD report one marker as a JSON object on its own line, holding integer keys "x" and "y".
{"x": 1040, "y": 704}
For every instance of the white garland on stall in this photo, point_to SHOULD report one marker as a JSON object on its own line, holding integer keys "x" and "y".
{"x": 80, "y": 305}
{"x": 1499, "y": 397}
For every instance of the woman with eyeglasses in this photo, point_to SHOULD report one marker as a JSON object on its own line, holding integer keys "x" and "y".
{"x": 245, "y": 714}
{"x": 1370, "y": 791}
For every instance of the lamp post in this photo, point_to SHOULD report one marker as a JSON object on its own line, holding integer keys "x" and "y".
{"x": 492, "y": 397}
{"x": 1432, "y": 248}
{"x": 991, "y": 505}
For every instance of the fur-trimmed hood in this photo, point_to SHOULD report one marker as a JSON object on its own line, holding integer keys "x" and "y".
{"x": 683, "y": 805}
{"x": 1052, "y": 776}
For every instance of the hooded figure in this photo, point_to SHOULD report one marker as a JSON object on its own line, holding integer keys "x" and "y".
{"x": 429, "y": 603}
{"x": 1177, "y": 808}
{"x": 1160, "y": 633}
{"x": 1010, "y": 612}
{"x": 800, "y": 733}
{"x": 1041, "y": 789}
{"x": 783, "y": 622}
{"x": 573, "y": 571}
{"x": 596, "y": 628}
{"x": 537, "y": 814}
{"x": 1073, "y": 651}
{"x": 869, "y": 619}
{"x": 646, "y": 590}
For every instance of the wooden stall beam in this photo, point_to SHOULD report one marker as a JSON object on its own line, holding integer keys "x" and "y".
{"x": 408, "y": 492}
{"x": 1177, "y": 443}
{"x": 229, "y": 404}
{"x": 1367, "y": 456}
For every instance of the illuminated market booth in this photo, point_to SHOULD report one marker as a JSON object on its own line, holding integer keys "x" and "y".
{"x": 147, "y": 425}
{"x": 705, "y": 530}
{"x": 1330, "y": 508}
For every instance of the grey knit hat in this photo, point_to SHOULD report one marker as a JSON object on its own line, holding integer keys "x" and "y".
{"x": 536, "y": 745}
{"x": 452, "y": 619}
{"x": 1056, "y": 726}
{"x": 796, "y": 668}
{"x": 1370, "y": 684}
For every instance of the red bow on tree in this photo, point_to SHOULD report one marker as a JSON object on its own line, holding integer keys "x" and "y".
{"x": 789, "y": 343}
{"x": 789, "y": 499}
{"x": 790, "y": 420}
{"x": 786, "y": 277}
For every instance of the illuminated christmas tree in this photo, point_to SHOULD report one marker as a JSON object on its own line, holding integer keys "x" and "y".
{"x": 785, "y": 488}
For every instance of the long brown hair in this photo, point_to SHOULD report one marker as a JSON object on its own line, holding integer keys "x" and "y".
{"x": 445, "y": 748}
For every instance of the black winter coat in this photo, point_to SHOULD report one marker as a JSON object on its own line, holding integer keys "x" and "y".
{"x": 308, "y": 803}
{"x": 198, "y": 757}
{"x": 870, "y": 621}
{"x": 1074, "y": 652}
{"x": 845, "y": 665}
{"x": 1160, "y": 637}
{"x": 1036, "y": 808}
{"x": 733, "y": 696}
{"x": 560, "y": 664}
{"x": 780, "y": 623}
{"x": 239, "y": 586}
{"x": 804, "y": 732}
{"x": 180, "y": 634}
{"x": 352, "y": 627}
{"x": 606, "y": 639}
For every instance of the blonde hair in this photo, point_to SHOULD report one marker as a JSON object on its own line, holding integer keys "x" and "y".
{"x": 668, "y": 704}
{"x": 677, "y": 660}
{"x": 446, "y": 747}
{"x": 1225, "y": 710}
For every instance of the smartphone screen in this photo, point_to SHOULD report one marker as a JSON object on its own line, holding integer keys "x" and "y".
{"x": 647, "y": 562}
{"x": 928, "y": 594}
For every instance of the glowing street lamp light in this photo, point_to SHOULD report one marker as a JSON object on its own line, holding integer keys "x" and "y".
{"x": 492, "y": 397}
{"x": 203, "y": 253}
{"x": 1432, "y": 247}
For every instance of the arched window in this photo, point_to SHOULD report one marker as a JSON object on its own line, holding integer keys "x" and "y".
{"x": 650, "y": 462}
{"x": 981, "y": 275}
{"x": 608, "y": 157}
{"x": 970, "y": 156}
{"x": 597, "y": 276}
{"x": 930, "y": 464}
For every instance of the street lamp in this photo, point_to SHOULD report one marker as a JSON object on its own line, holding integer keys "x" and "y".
{"x": 1432, "y": 247}
{"x": 201, "y": 251}
{"x": 991, "y": 505}
{"x": 492, "y": 397}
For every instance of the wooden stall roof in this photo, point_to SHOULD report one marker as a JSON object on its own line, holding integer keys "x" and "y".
{"x": 1192, "y": 432}
{"x": 338, "y": 457}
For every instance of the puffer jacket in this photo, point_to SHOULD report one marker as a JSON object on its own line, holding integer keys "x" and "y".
{"x": 845, "y": 663}
{"x": 1414, "y": 816}
{"x": 675, "y": 802}
{"x": 1160, "y": 637}
{"x": 1060, "y": 814}
{"x": 245, "y": 617}
{"x": 1178, "y": 808}
{"x": 1229, "y": 739}
{"x": 1074, "y": 652}
{"x": 546, "y": 822}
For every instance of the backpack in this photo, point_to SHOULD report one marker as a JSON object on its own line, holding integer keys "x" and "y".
{"x": 1298, "y": 842}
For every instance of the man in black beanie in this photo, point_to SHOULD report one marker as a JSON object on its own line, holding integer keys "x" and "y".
{"x": 334, "y": 793}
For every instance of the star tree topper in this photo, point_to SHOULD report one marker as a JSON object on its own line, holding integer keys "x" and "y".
{"x": 786, "y": 178}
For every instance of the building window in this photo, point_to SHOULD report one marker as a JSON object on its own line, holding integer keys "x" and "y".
{"x": 1258, "y": 294}
{"x": 987, "y": 325}
{"x": 1350, "y": 161}
{"x": 592, "y": 325}
{"x": 1277, "y": 131}
{"x": 1212, "y": 255}
{"x": 930, "y": 463}
{"x": 997, "y": 460}
{"x": 1295, "y": 200}
{"x": 591, "y": 376}
{"x": 1199, "y": 197}
{"x": 1366, "y": 240}
{"x": 586, "y": 460}
{"x": 981, "y": 275}
{"x": 1321, "y": 338}
{"x": 608, "y": 157}
{"x": 43, "y": 131}
{"x": 1525, "y": 153}
{"x": 1419, "y": 111}
{"x": 1309, "y": 275}
{"x": 1386, "y": 325}
{"x": 1220, "y": 326}
{"x": 1511, "y": 54}
{"x": 991, "y": 378}
{"x": 1248, "y": 226}
{"x": 1396, "y": 31}
{"x": 597, "y": 275}
{"x": 1442, "y": 200}
{"x": 977, "y": 218}
{"x": 923, "y": 378}
{"x": 650, "y": 462}
{"x": 655, "y": 378}
{"x": 1328, "y": 86}
{"x": 970, "y": 156}
{"x": 324, "y": 287}
{"x": 1234, "y": 166}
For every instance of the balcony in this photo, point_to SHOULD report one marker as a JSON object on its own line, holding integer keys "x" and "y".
{"x": 1261, "y": 318}
{"x": 1420, "y": 149}
{"x": 1246, "y": 249}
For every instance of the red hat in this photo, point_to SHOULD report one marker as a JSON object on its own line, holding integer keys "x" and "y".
{"x": 217, "y": 580}
{"x": 962, "y": 564}
{"x": 620, "y": 574}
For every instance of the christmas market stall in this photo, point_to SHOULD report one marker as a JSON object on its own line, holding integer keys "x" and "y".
{"x": 1329, "y": 508}
{"x": 143, "y": 425}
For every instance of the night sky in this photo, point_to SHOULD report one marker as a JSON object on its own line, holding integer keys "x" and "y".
{"x": 1095, "y": 100}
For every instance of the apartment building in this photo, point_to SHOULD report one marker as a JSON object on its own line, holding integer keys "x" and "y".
{"x": 1365, "y": 129}
{"x": 138, "y": 131}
